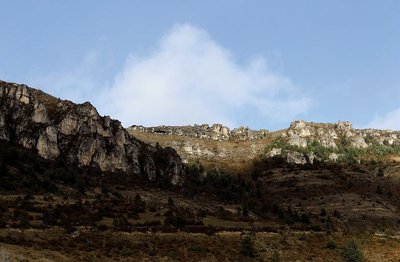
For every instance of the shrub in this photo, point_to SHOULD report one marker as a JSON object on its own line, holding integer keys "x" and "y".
{"x": 176, "y": 219}
{"x": 247, "y": 245}
{"x": 331, "y": 244}
{"x": 351, "y": 252}
{"x": 379, "y": 190}
{"x": 199, "y": 249}
{"x": 380, "y": 172}
{"x": 323, "y": 212}
{"x": 276, "y": 257}
{"x": 21, "y": 217}
{"x": 336, "y": 214}
{"x": 245, "y": 211}
{"x": 305, "y": 218}
{"x": 120, "y": 222}
{"x": 171, "y": 202}
{"x": 139, "y": 205}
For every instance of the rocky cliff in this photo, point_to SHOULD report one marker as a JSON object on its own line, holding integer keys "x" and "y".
{"x": 218, "y": 145}
{"x": 75, "y": 133}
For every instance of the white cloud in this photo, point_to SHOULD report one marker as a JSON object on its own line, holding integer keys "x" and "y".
{"x": 76, "y": 84}
{"x": 389, "y": 121}
{"x": 189, "y": 78}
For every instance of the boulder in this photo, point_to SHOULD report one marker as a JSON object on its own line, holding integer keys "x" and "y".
{"x": 293, "y": 157}
{"x": 333, "y": 157}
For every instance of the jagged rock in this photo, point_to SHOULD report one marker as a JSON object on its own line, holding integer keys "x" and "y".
{"x": 77, "y": 134}
{"x": 312, "y": 157}
{"x": 149, "y": 169}
{"x": 219, "y": 132}
{"x": 40, "y": 114}
{"x": 47, "y": 145}
{"x": 358, "y": 141}
{"x": 293, "y": 157}
{"x": 19, "y": 92}
{"x": 86, "y": 151}
{"x": 333, "y": 157}
{"x": 302, "y": 134}
{"x": 274, "y": 152}
{"x": 3, "y": 131}
{"x": 244, "y": 134}
{"x": 172, "y": 166}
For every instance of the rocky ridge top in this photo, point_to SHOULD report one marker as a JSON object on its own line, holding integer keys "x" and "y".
{"x": 75, "y": 133}
{"x": 300, "y": 133}
{"x": 218, "y": 144}
{"x": 214, "y": 132}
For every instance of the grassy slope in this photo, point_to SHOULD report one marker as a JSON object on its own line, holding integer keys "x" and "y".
{"x": 43, "y": 203}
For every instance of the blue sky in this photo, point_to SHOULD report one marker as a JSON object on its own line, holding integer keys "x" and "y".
{"x": 255, "y": 63}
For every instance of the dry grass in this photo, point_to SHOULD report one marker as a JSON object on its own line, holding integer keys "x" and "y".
{"x": 223, "y": 246}
{"x": 228, "y": 156}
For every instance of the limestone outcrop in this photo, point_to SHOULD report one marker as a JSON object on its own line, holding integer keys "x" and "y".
{"x": 214, "y": 132}
{"x": 75, "y": 133}
{"x": 302, "y": 134}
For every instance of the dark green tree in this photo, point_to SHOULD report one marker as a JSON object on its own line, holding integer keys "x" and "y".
{"x": 380, "y": 172}
{"x": 138, "y": 204}
{"x": 323, "y": 212}
{"x": 170, "y": 202}
{"x": 247, "y": 245}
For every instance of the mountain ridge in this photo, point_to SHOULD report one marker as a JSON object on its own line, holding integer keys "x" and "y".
{"x": 75, "y": 133}
{"x": 235, "y": 150}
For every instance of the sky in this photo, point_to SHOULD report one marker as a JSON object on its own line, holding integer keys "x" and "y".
{"x": 258, "y": 63}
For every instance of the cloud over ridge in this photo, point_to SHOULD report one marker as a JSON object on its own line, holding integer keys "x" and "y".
{"x": 390, "y": 120}
{"x": 189, "y": 78}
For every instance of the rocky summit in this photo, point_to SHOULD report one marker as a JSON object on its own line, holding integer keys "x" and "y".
{"x": 75, "y": 133}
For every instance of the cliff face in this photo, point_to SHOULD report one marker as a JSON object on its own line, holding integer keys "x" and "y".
{"x": 76, "y": 133}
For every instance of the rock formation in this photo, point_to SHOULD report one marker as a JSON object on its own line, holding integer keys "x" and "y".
{"x": 215, "y": 132}
{"x": 76, "y": 133}
{"x": 218, "y": 144}
{"x": 301, "y": 133}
